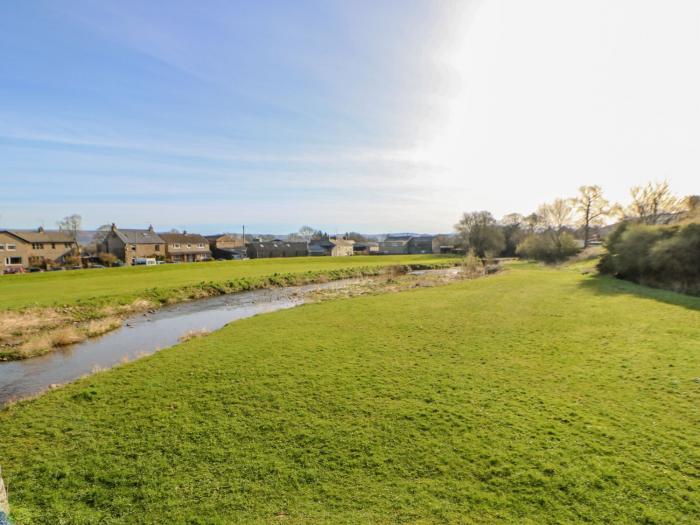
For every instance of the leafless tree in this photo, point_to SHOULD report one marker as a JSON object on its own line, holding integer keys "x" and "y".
{"x": 306, "y": 232}
{"x": 71, "y": 224}
{"x": 557, "y": 214}
{"x": 651, "y": 202}
{"x": 592, "y": 209}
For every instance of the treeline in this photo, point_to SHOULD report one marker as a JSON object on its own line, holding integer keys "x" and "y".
{"x": 560, "y": 229}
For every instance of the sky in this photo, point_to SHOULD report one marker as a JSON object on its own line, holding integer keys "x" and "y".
{"x": 372, "y": 116}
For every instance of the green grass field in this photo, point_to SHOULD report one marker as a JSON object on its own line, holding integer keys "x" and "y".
{"x": 124, "y": 284}
{"x": 533, "y": 396}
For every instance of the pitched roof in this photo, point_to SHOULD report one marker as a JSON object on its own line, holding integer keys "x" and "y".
{"x": 138, "y": 236}
{"x": 42, "y": 235}
{"x": 224, "y": 237}
{"x": 184, "y": 238}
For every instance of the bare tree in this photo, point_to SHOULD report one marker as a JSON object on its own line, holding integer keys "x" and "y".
{"x": 71, "y": 224}
{"x": 651, "y": 202}
{"x": 556, "y": 215}
{"x": 306, "y": 232}
{"x": 592, "y": 209}
{"x": 480, "y": 233}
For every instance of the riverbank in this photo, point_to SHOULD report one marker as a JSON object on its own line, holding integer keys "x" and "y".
{"x": 27, "y": 332}
{"x": 536, "y": 395}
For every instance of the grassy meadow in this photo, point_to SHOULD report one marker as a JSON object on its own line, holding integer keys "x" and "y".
{"x": 533, "y": 396}
{"x": 128, "y": 283}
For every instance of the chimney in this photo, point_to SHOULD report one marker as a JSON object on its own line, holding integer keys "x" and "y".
{"x": 114, "y": 227}
{"x": 40, "y": 229}
{"x": 150, "y": 227}
{"x": 184, "y": 232}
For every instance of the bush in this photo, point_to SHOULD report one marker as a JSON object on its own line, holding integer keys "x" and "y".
{"x": 661, "y": 256}
{"x": 548, "y": 247}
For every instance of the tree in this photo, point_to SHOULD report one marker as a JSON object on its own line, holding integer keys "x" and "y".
{"x": 651, "y": 202}
{"x": 480, "y": 233}
{"x": 513, "y": 233}
{"x": 532, "y": 221}
{"x": 592, "y": 208}
{"x": 557, "y": 215}
{"x": 692, "y": 208}
{"x": 71, "y": 224}
{"x": 355, "y": 236}
{"x": 306, "y": 232}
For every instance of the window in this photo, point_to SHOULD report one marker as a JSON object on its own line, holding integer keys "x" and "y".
{"x": 13, "y": 260}
{"x": 11, "y": 247}
{"x": 38, "y": 246}
{"x": 176, "y": 246}
{"x": 2, "y": 247}
{"x": 189, "y": 246}
{"x": 157, "y": 247}
{"x": 133, "y": 247}
{"x": 53, "y": 245}
{"x": 67, "y": 245}
{"x": 200, "y": 245}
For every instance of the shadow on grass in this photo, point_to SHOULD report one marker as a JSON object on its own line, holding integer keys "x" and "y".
{"x": 607, "y": 285}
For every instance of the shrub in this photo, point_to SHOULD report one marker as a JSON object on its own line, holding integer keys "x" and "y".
{"x": 662, "y": 256}
{"x": 548, "y": 247}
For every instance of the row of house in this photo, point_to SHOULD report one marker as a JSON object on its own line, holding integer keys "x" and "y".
{"x": 42, "y": 248}
{"x": 128, "y": 245}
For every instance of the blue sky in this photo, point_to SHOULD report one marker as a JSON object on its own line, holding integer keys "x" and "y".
{"x": 362, "y": 115}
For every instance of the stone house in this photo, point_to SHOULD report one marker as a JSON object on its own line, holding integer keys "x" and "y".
{"x": 226, "y": 246}
{"x": 259, "y": 249}
{"x": 333, "y": 247}
{"x": 38, "y": 247}
{"x": 128, "y": 245}
{"x": 185, "y": 247}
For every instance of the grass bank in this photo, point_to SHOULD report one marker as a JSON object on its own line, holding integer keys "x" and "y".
{"x": 41, "y": 312}
{"x": 534, "y": 396}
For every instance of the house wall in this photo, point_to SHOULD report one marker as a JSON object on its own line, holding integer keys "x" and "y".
{"x": 342, "y": 250}
{"x": 195, "y": 253}
{"x": 50, "y": 251}
{"x": 17, "y": 249}
{"x": 32, "y": 254}
{"x": 279, "y": 249}
{"x": 422, "y": 245}
{"x": 393, "y": 247}
{"x": 128, "y": 252}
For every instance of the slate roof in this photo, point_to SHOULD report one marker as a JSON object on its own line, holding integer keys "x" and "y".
{"x": 41, "y": 235}
{"x": 184, "y": 238}
{"x": 139, "y": 236}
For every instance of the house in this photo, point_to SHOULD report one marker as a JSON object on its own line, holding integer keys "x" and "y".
{"x": 226, "y": 246}
{"x": 421, "y": 244}
{"x": 332, "y": 246}
{"x": 128, "y": 245}
{"x": 366, "y": 248}
{"x": 259, "y": 249}
{"x": 185, "y": 247}
{"x": 26, "y": 248}
{"x": 394, "y": 245}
